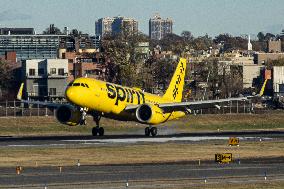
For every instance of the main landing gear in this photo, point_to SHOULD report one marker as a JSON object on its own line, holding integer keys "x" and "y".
{"x": 97, "y": 130}
{"x": 151, "y": 131}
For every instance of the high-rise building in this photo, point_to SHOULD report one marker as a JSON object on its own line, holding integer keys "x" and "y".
{"x": 116, "y": 25}
{"x": 123, "y": 24}
{"x": 104, "y": 26}
{"x": 159, "y": 27}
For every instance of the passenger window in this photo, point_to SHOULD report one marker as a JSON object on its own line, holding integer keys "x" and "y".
{"x": 76, "y": 84}
{"x": 82, "y": 84}
{"x": 87, "y": 85}
{"x": 70, "y": 84}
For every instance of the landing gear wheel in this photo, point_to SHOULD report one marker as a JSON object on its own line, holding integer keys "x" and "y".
{"x": 101, "y": 131}
{"x": 154, "y": 131}
{"x": 147, "y": 131}
{"x": 83, "y": 122}
{"x": 95, "y": 131}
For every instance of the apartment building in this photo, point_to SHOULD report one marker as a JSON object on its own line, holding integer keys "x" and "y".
{"x": 45, "y": 79}
{"x": 116, "y": 25}
{"x": 104, "y": 26}
{"x": 159, "y": 27}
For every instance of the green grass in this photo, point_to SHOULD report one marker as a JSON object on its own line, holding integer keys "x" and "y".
{"x": 230, "y": 122}
{"x": 135, "y": 153}
{"x": 19, "y": 126}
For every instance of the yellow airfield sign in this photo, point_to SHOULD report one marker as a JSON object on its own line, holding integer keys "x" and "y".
{"x": 224, "y": 158}
{"x": 234, "y": 141}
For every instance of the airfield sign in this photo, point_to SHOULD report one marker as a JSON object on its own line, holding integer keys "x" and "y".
{"x": 234, "y": 141}
{"x": 224, "y": 158}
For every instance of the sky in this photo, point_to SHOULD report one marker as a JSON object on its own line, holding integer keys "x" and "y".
{"x": 212, "y": 17}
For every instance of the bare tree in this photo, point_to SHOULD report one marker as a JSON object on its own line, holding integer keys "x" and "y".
{"x": 120, "y": 48}
{"x": 52, "y": 30}
{"x": 6, "y": 78}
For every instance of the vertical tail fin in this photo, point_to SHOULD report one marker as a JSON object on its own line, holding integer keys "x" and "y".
{"x": 174, "y": 91}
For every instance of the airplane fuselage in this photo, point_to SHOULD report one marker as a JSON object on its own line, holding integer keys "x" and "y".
{"x": 112, "y": 99}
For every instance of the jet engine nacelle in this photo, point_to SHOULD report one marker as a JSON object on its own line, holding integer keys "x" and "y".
{"x": 150, "y": 114}
{"x": 68, "y": 115}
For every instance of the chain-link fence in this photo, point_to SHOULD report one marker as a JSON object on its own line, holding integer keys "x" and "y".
{"x": 16, "y": 108}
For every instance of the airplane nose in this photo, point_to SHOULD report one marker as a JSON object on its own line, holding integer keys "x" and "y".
{"x": 69, "y": 93}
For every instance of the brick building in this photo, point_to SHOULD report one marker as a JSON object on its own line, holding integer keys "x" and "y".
{"x": 84, "y": 65}
{"x": 263, "y": 58}
{"x": 274, "y": 46}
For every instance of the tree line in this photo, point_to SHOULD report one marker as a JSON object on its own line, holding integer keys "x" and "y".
{"x": 124, "y": 66}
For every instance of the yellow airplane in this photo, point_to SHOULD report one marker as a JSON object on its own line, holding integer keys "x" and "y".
{"x": 103, "y": 99}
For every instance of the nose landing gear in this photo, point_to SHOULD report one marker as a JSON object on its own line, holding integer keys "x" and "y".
{"x": 83, "y": 118}
{"x": 151, "y": 131}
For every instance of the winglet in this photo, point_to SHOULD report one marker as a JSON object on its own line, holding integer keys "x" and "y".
{"x": 263, "y": 88}
{"x": 20, "y": 92}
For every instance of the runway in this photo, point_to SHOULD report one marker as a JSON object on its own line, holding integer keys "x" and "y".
{"x": 179, "y": 174}
{"x": 120, "y": 139}
{"x": 172, "y": 175}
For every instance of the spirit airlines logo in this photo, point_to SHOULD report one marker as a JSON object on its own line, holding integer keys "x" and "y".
{"x": 178, "y": 80}
{"x": 121, "y": 94}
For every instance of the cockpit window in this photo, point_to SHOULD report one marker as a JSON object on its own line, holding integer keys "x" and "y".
{"x": 70, "y": 84}
{"x": 76, "y": 84}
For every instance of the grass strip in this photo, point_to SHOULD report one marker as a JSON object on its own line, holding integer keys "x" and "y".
{"x": 135, "y": 153}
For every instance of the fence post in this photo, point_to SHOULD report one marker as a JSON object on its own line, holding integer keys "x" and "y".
{"x": 14, "y": 108}
{"x": 38, "y": 110}
{"x": 230, "y": 107}
{"x": 22, "y": 106}
{"x": 6, "y": 108}
{"x": 251, "y": 106}
{"x": 244, "y": 107}
{"x": 237, "y": 106}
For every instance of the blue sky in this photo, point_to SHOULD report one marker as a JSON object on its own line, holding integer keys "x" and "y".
{"x": 198, "y": 16}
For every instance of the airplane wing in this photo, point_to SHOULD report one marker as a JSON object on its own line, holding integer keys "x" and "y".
{"x": 196, "y": 105}
{"x": 48, "y": 104}
{"x": 188, "y": 106}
